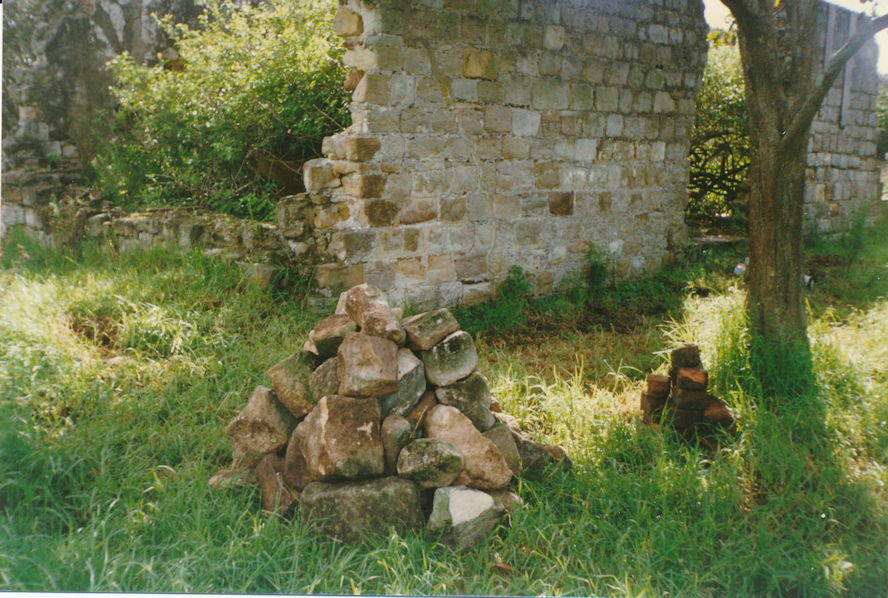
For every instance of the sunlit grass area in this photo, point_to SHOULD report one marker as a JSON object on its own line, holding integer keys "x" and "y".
{"x": 118, "y": 375}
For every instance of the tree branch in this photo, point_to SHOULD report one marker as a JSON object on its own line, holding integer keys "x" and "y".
{"x": 743, "y": 13}
{"x": 824, "y": 82}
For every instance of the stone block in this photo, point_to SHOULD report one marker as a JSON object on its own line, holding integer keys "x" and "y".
{"x": 553, "y": 38}
{"x": 470, "y": 266}
{"x": 361, "y": 149}
{"x": 425, "y": 330}
{"x": 296, "y": 473}
{"x": 451, "y": 359}
{"x": 479, "y": 64}
{"x": 368, "y": 366}
{"x": 497, "y": 119}
{"x": 324, "y": 380}
{"x": 396, "y": 432}
{"x": 263, "y": 426}
{"x": 328, "y": 333}
{"x": 411, "y": 385}
{"x": 561, "y": 203}
{"x": 550, "y": 94}
{"x": 515, "y": 148}
{"x": 347, "y": 23}
{"x": 419, "y": 210}
{"x": 318, "y": 175}
{"x": 352, "y": 511}
{"x": 353, "y": 76}
{"x": 338, "y": 276}
{"x": 501, "y": 435}
{"x": 367, "y": 305}
{"x": 410, "y": 269}
{"x": 484, "y": 466}
{"x": 471, "y": 396}
{"x": 364, "y": 186}
{"x": 372, "y": 89}
{"x": 289, "y": 378}
{"x": 430, "y": 462}
{"x": 463, "y": 516}
{"x": 380, "y": 212}
{"x": 277, "y": 496}
{"x": 340, "y": 439}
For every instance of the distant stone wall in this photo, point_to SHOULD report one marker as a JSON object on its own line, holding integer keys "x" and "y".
{"x": 63, "y": 83}
{"x": 843, "y": 165}
{"x": 493, "y": 133}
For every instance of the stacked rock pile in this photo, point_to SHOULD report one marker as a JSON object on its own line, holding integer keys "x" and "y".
{"x": 682, "y": 399}
{"x": 383, "y": 422}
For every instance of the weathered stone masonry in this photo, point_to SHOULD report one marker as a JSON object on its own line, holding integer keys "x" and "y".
{"x": 488, "y": 134}
{"x": 485, "y": 134}
{"x": 843, "y": 166}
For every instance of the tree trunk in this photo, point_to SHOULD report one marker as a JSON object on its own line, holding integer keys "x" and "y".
{"x": 776, "y": 263}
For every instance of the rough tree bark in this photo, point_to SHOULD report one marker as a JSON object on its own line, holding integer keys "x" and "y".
{"x": 785, "y": 86}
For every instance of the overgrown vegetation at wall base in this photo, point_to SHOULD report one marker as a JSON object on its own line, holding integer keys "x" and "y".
{"x": 254, "y": 90}
{"x": 117, "y": 378}
{"x": 719, "y": 151}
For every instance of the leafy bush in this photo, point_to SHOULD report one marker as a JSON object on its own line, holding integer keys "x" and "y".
{"x": 250, "y": 84}
{"x": 882, "y": 121}
{"x": 720, "y": 139}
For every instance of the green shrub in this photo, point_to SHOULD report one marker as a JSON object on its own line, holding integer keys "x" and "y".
{"x": 720, "y": 139}
{"x": 255, "y": 83}
{"x": 882, "y": 121}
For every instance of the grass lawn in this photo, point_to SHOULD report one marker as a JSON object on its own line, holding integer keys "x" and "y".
{"x": 118, "y": 375}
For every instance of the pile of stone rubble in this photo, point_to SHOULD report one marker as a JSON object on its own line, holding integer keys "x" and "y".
{"x": 682, "y": 399}
{"x": 382, "y": 422}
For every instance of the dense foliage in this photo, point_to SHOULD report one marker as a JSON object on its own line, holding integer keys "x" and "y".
{"x": 251, "y": 86}
{"x": 882, "y": 116}
{"x": 720, "y": 140}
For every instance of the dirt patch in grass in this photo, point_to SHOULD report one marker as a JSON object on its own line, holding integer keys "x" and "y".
{"x": 99, "y": 331}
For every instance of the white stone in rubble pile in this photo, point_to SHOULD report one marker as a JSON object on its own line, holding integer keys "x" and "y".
{"x": 263, "y": 426}
{"x": 289, "y": 378}
{"x": 340, "y": 439}
{"x": 484, "y": 466}
{"x": 451, "y": 359}
{"x": 368, "y": 307}
{"x": 430, "y": 462}
{"x": 327, "y": 334}
{"x": 324, "y": 380}
{"x": 350, "y": 511}
{"x": 463, "y": 515}
{"x": 368, "y": 366}
{"x": 411, "y": 385}
{"x": 427, "y": 329}
{"x": 471, "y": 395}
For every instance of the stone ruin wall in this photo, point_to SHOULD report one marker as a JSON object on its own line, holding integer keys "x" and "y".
{"x": 495, "y": 133}
{"x": 844, "y": 168}
{"x": 485, "y": 134}
{"x": 61, "y": 86}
